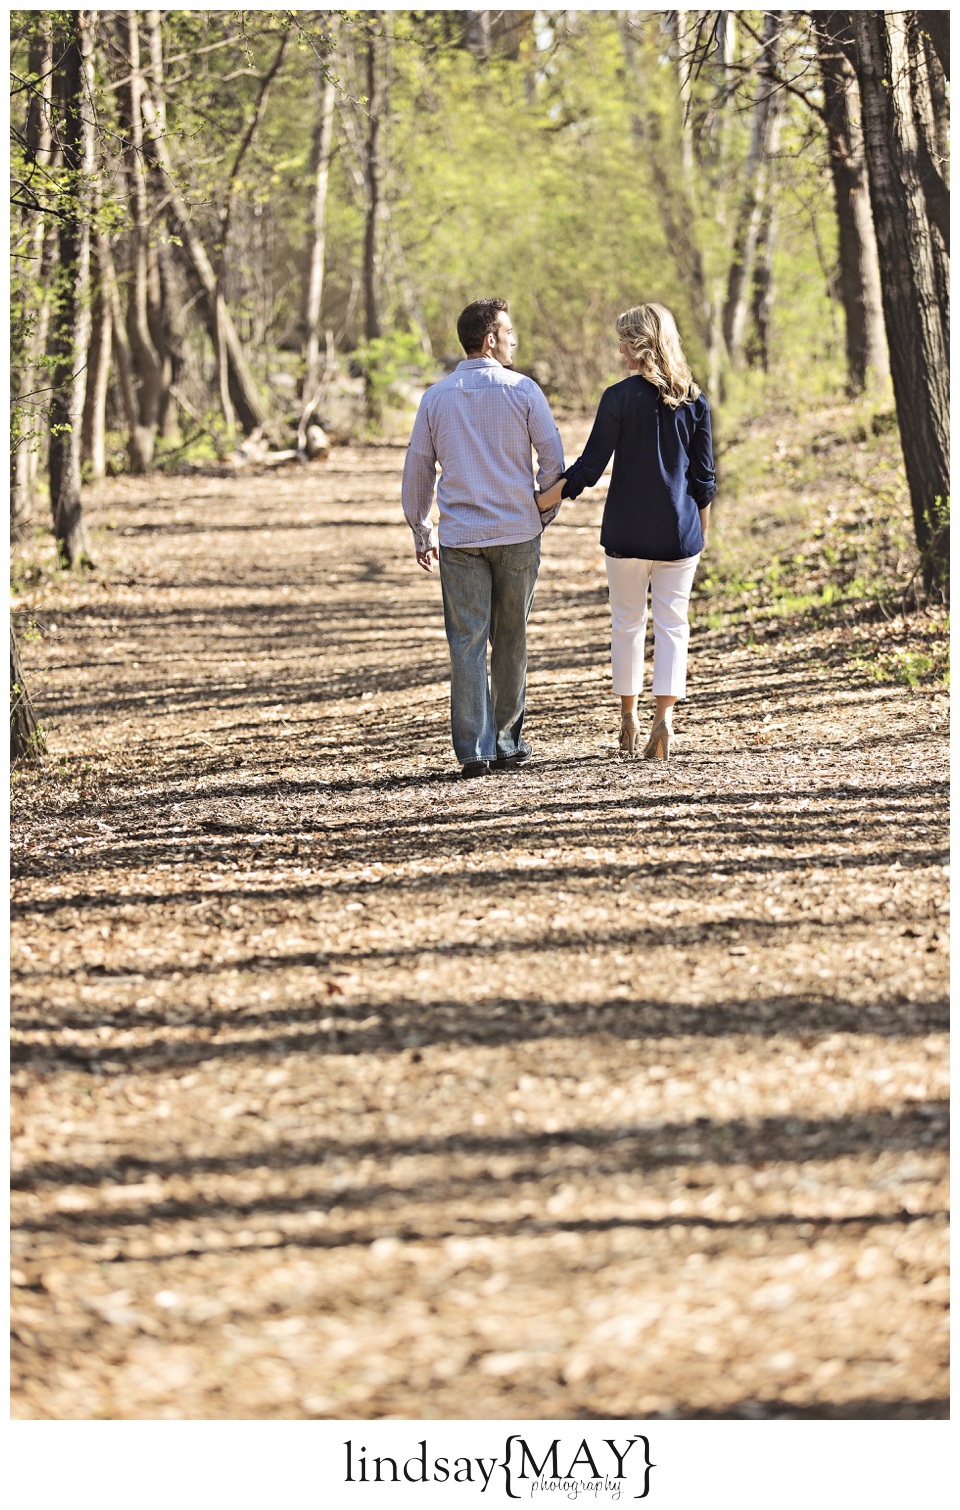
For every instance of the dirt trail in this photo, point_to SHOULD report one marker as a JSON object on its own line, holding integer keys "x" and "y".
{"x": 346, "y": 1089}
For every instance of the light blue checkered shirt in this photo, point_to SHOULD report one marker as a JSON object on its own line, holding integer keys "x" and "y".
{"x": 479, "y": 423}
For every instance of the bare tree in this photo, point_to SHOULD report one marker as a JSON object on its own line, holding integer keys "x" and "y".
{"x": 892, "y": 68}
{"x": 756, "y": 189}
{"x": 243, "y": 396}
{"x": 674, "y": 197}
{"x": 859, "y": 265}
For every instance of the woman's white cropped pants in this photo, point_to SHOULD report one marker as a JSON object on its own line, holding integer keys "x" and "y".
{"x": 670, "y": 583}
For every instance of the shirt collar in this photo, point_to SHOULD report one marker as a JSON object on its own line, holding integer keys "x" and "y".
{"x": 479, "y": 362}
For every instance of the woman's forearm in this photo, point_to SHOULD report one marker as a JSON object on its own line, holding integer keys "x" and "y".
{"x": 705, "y": 521}
{"x": 550, "y": 497}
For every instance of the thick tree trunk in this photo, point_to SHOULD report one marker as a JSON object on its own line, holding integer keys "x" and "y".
{"x": 756, "y": 189}
{"x": 71, "y": 324}
{"x": 859, "y": 265}
{"x": 936, "y": 23}
{"x": 26, "y": 735}
{"x": 914, "y": 303}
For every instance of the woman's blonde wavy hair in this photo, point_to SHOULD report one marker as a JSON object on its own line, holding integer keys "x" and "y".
{"x": 651, "y": 334}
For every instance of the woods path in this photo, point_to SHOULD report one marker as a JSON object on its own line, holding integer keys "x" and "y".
{"x": 346, "y": 1089}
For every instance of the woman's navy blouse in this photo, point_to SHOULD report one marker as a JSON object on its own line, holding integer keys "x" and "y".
{"x": 663, "y": 471}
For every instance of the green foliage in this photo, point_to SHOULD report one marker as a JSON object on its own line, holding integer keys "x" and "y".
{"x": 386, "y": 362}
{"x": 911, "y": 668}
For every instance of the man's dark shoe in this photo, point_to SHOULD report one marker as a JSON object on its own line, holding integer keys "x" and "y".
{"x": 510, "y": 762}
{"x": 475, "y": 768}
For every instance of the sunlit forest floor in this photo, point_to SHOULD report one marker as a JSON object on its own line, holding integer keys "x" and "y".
{"x": 343, "y": 1088}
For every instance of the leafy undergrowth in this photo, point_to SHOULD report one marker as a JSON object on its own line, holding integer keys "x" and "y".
{"x": 814, "y": 530}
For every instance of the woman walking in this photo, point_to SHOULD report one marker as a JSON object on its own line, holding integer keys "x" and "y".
{"x": 656, "y": 424}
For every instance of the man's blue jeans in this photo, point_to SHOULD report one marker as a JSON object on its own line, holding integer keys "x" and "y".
{"x": 487, "y": 595}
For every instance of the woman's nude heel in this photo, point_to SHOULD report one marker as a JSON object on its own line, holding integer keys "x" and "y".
{"x": 658, "y": 745}
{"x": 630, "y": 737}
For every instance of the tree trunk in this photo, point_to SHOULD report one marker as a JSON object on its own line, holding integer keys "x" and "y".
{"x": 219, "y": 299}
{"x": 26, "y": 735}
{"x": 936, "y": 23}
{"x": 914, "y": 305}
{"x": 761, "y": 299}
{"x": 859, "y": 265}
{"x": 313, "y": 287}
{"x": 30, "y": 307}
{"x": 169, "y": 332}
{"x": 140, "y": 439}
{"x": 170, "y": 341}
{"x": 146, "y": 361}
{"x": 374, "y": 180}
{"x": 93, "y": 451}
{"x": 672, "y": 197}
{"x": 683, "y": 36}
{"x": 71, "y": 322}
{"x": 755, "y": 192}
{"x": 242, "y": 388}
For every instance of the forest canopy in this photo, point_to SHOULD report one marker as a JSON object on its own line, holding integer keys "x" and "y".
{"x": 223, "y": 219}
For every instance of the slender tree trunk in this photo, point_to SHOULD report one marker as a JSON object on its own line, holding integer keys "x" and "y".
{"x": 373, "y": 178}
{"x": 762, "y": 292}
{"x": 372, "y": 262}
{"x": 169, "y": 332}
{"x": 173, "y": 329}
{"x": 671, "y": 193}
{"x": 755, "y": 191}
{"x": 25, "y": 376}
{"x": 914, "y": 305}
{"x": 146, "y": 360}
{"x": 242, "y": 388}
{"x": 221, "y": 317}
{"x": 683, "y": 39}
{"x": 71, "y": 326}
{"x": 26, "y": 735}
{"x": 93, "y": 450}
{"x": 313, "y": 288}
{"x": 373, "y": 174}
{"x": 859, "y": 264}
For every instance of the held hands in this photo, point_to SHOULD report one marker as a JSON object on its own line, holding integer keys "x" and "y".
{"x": 550, "y": 497}
{"x": 426, "y": 558}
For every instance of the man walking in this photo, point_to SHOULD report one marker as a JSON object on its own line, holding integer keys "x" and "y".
{"x": 480, "y": 423}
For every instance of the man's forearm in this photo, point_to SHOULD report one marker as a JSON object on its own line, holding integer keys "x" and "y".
{"x": 416, "y": 497}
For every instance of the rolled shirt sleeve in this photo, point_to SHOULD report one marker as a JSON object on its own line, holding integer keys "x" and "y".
{"x": 419, "y": 480}
{"x": 545, "y": 438}
{"x": 701, "y": 473}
